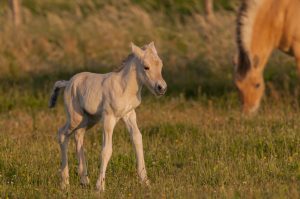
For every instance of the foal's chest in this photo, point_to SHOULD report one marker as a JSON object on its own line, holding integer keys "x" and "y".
{"x": 123, "y": 106}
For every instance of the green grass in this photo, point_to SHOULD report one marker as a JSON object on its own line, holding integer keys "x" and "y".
{"x": 191, "y": 149}
{"x": 196, "y": 143}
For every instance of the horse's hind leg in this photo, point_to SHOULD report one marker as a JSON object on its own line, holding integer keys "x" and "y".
{"x": 64, "y": 134}
{"x": 82, "y": 169}
{"x": 63, "y": 140}
{"x": 79, "y": 139}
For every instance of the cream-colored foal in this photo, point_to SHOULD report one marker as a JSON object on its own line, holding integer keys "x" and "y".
{"x": 91, "y": 97}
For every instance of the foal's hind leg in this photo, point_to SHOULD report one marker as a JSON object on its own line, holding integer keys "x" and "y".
{"x": 63, "y": 140}
{"x": 82, "y": 169}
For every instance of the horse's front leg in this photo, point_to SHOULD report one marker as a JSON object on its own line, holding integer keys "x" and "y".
{"x": 136, "y": 138}
{"x": 109, "y": 123}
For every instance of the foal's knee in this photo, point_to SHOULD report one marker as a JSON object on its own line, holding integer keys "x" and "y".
{"x": 137, "y": 138}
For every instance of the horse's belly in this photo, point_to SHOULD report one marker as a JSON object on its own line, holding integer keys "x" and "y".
{"x": 92, "y": 110}
{"x": 92, "y": 105}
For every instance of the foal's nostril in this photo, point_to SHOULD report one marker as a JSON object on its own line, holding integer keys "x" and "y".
{"x": 159, "y": 87}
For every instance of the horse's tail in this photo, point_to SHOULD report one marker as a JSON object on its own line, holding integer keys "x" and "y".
{"x": 55, "y": 92}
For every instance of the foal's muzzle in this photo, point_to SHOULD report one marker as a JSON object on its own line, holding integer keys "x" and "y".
{"x": 160, "y": 89}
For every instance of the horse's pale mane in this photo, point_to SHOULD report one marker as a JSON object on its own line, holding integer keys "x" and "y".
{"x": 245, "y": 22}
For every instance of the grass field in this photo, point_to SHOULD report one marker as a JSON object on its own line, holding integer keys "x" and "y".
{"x": 196, "y": 142}
{"x": 192, "y": 148}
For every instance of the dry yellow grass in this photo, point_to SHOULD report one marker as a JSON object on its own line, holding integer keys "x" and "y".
{"x": 196, "y": 142}
{"x": 194, "y": 150}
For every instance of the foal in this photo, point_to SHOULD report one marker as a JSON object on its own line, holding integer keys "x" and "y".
{"x": 91, "y": 97}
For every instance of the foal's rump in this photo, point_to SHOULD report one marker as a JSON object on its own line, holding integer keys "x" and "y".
{"x": 55, "y": 92}
{"x": 76, "y": 80}
{"x": 83, "y": 92}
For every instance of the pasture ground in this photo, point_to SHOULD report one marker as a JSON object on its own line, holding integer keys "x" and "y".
{"x": 196, "y": 143}
{"x": 192, "y": 148}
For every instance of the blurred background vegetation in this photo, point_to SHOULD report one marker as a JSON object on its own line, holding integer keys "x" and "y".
{"x": 196, "y": 142}
{"x": 56, "y": 39}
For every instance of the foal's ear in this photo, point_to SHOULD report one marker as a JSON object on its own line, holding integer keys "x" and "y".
{"x": 137, "y": 51}
{"x": 152, "y": 47}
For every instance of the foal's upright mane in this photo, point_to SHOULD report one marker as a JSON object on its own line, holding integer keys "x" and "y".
{"x": 125, "y": 62}
{"x": 245, "y": 23}
{"x": 127, "y": 59}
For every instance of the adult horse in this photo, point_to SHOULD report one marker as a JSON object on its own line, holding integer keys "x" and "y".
{"x": 262, "y": 26}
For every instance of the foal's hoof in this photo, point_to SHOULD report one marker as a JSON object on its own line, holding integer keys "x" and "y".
{"x": 85, "y": 181}
{"x": 146, "y": 183}
{"x": 64, "y": 185}
{"x": 100, "y": 186}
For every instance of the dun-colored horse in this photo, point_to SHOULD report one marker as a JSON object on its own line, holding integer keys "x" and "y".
{"x": 91, "y": 97}
{"x": 262, "y": 26}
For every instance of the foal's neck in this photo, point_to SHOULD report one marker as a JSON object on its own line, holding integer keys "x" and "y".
{"x": 130, "y": 82}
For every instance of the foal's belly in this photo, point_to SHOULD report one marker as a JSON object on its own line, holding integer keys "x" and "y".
{"x": 92, "y": 105}
{"x": 98, "y": 107}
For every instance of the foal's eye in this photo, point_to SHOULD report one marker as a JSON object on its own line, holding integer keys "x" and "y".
{"x": 146, "y": 68}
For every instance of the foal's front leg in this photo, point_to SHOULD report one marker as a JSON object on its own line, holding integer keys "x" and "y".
{"x": 109, "y": 123}
{"x": 136, "y": 138}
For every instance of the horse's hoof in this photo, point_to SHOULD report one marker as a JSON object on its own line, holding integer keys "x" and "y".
{"x": 146, "y": 183}
{"x": 100, "y": 187}
{"x": 85, "y": 181}
{"x": 64, "y": 185}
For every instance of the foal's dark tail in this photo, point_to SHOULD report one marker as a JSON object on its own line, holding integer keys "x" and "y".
{"x": 55, "y": 92}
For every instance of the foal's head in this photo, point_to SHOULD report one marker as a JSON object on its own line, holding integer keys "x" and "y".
{"x": 250, "y": 83}
{"x": 149, "y": 68}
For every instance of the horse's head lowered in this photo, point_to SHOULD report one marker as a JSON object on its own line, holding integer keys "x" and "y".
{"x": 250, "y": 84}
{"x": 150, "y": 68}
